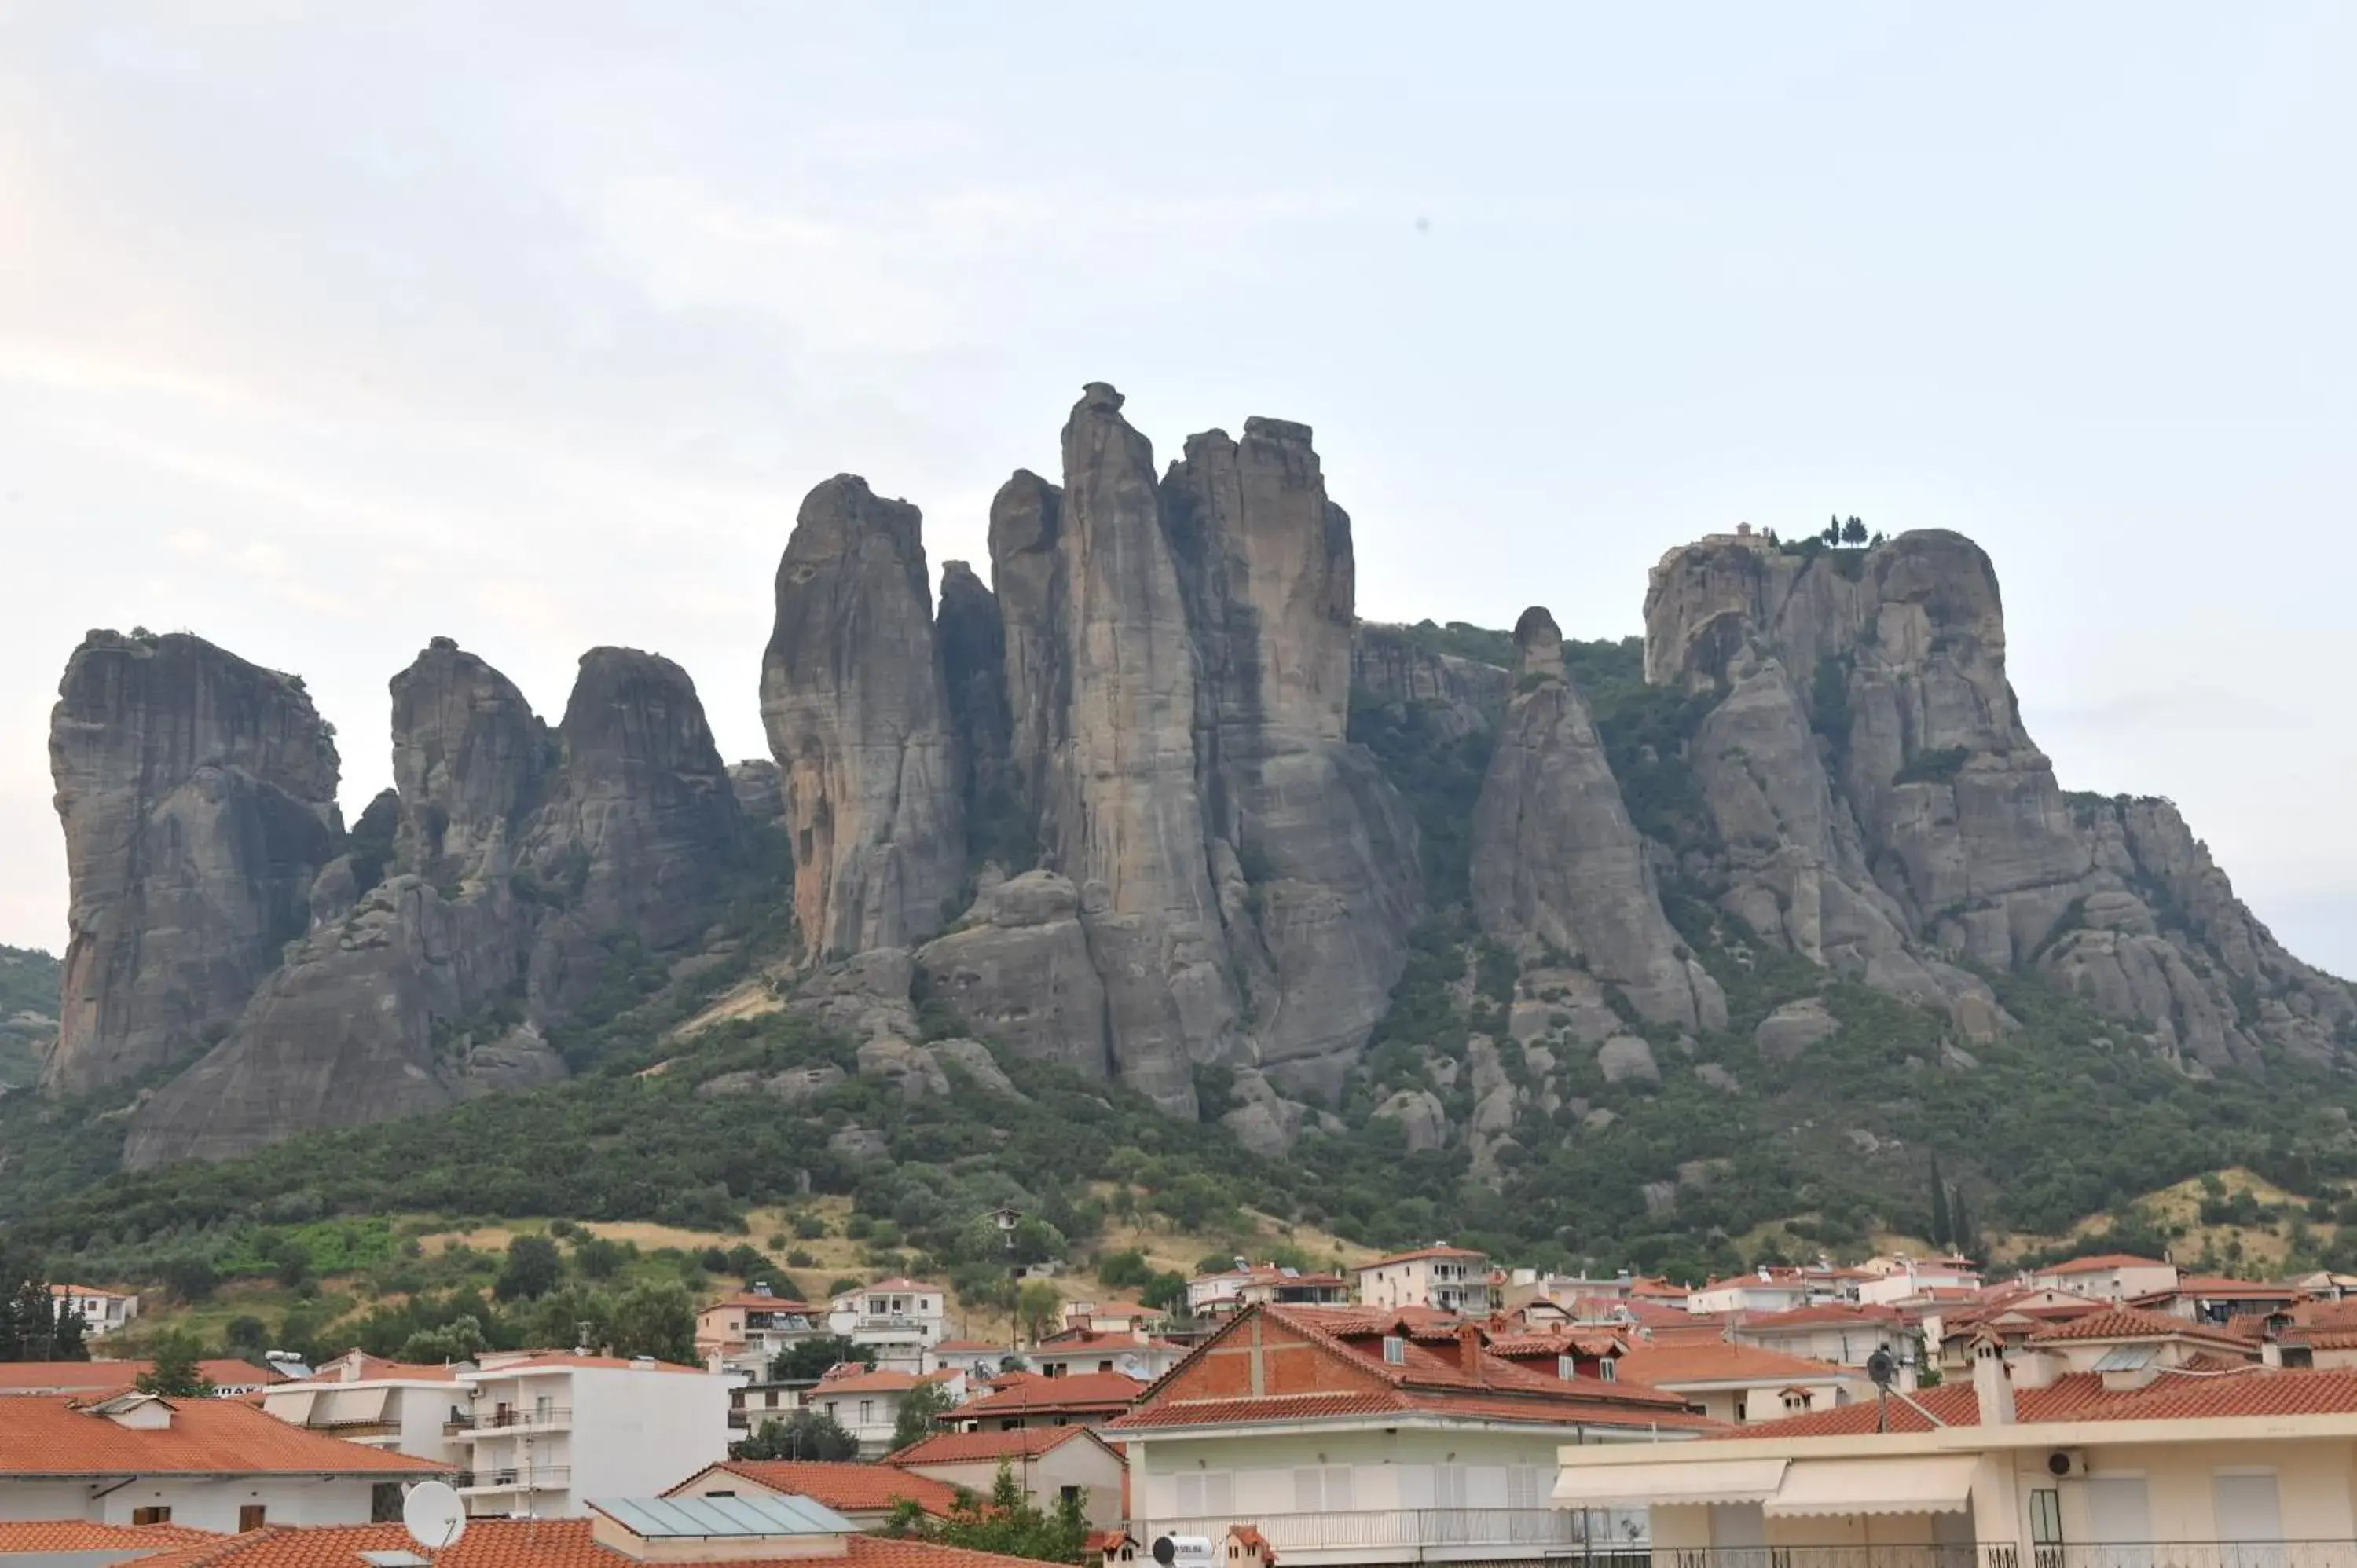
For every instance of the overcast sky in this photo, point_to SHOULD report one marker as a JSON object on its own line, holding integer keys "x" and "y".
{"x": 325, "y": 328}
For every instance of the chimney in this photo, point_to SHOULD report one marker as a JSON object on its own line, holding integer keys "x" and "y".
{"x": 1469, "y": 1349}
{"x": 1992, "y": 1386}
{"x": 2271, "y": 1354}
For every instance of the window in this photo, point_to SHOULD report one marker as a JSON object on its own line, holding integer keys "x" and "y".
{"x": 1527, "y": 1486}
{"x": 2248, "y": 1509}
{"x": 384, "y": 1503}
{"x": 156, "y": 1515}
{"x": 1565, "y": 1367}
{"x": 1395, "y": 1350}
{"x": 1068, "y": 1494}
{"x": 2045, "y": 1517}
{"x": 252, "y": 1516}
{"x": 1606, "y": 1369}
{"x": 1448, "y": 1486}
{"x": 866, "y": 1412}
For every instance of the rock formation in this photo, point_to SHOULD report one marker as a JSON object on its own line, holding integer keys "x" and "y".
{"x": 973, "y": 667}
{"x": 852, "y": 696}
{"x": 197, "y": 794}
{"x": 1388, "y": 664}
{"x": 1557, "y": 863}
{"x": 1017, "y": 968}
{"x": 517, "y": 850}
{"x": 1879, "y": 801}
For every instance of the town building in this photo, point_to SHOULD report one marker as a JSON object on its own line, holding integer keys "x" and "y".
{"x": 401, "y": 1407}
{"x": 977, "y": 1358}
{"x": 2208, "y": 1298}
{"x": 228, "y": 1377}
{"x": 1022, "y": 1399}
{"x": 675, "y": 1533}
{"x": 1899, "y": 1277}
{"x": 744, "y": 1333}
{"x": 1448, "y": 1279}
{"x": 546, "y": 1432}
{"x": 2110, "y": 1276}
{"x": 867, "y": 1404}
{"x": 1077, "y": 1351}
{"x": 1049, "y": 1463}
{"x": 217, "y": 1465}
{"x": 1366, "y": 1435}
{"x": 901, "y": 1319}
{"x": 1740, "y": 1384}
{"x": 2096, "y": 1469}
{"x": 1249, "y": 1285}
{"x": 1842, "y": 1332}
{"x": 1114, "y": 1316}
{"x": 102, "y": 1311}
{"x": 867, "y": 1495}
{"x": 1764, "y": 1289}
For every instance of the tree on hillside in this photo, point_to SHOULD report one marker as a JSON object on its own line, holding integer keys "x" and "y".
{"x": 805, "y": 1434}
{"x": 534, "y": 1268}
{"x": 918, "y": 1410}
{"x": 35, "y": 1325}
{"x": 1038, "y": 1308}
{"x": 175, "y": 1373}
{"x": 656, "y": 1320}
{"x": 1944, "y": 1234}
{"x": 805, "y": 1360}
{"x": 1853, "y": 532}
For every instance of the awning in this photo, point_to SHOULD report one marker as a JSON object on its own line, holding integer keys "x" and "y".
{"x": 355, "y": 1407}
{"x": 293, "y": 1407}
{"x": 1939, "y": 1483}
{"x": 1667, "y": 1483}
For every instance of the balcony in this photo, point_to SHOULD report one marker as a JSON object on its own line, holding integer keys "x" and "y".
{"x": 516, "y": 1478}
{"x": 510, "y": 1419}
{"x": 2179, "y": 1554}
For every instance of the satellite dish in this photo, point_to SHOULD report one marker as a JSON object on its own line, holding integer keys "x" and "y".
{"x": 1132, "y": 1366}
{"x": 1882, "y": 1367}
{"x": 434, "y": 1515}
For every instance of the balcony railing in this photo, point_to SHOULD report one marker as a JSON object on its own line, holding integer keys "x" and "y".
{"x": 1896, "y": 1555}
{"x": 518, "y": 1478}
{"x": 509, "y": 1419}
{"x": 2179, "y": 1554}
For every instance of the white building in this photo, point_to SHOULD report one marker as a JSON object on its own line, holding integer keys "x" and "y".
{"x": 1351, "y": 1435}
{"x": 102, "y": 1311}
{"x": 1444, "y": 1278}
{"x": 866, "y": 1403}
{"x": 1835, "y": 1332}
{"x": 744, "y": 1332}
{"x": 2113, "y": 1276}
{"x": 401, "y": 1407}
{"x": 1049, "y": 1463}
{"x": 217, "y": 1465}
{"x": 1901, "y": 1278}
{"x": 545, "y": 1433}
{"x": 901, "y": 1319}
{"x": 1764, "y": 1289}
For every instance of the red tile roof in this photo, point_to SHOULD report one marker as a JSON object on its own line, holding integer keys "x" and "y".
{"x": 100, "y": 1377}
{"x": 18, "y": 1536}
{"x": 846, "y": 1487}
{"x": 533, "y": 1544}
{"x": 2101, "y": 1262}
{"x": 1667, "y": 1366}
{"x": 1079, "y": 1392}
{"x": 968, "y": 1447}
{"x": 1823, "y": 1312}
{"x": 559, "y": 1361}
{"x": 2128, "y": 1323}
{"x": 41, "y": 1435}
{"x": 897, "y": 1285}
{"x": 2081, "y": 1396}
{"x": 1425, "y": 1380}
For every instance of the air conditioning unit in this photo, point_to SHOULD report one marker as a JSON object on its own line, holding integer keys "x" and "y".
{"x": 2067, "y": 1465}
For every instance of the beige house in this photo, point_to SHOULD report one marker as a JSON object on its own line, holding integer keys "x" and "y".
{"x": 1740, "y": 1384}
{"x": 1446, "y": 1279}
{"x": 2113, "y": 1276}
{"x": 1049, "y": 1463}
{"x": 2254, "y": 1467}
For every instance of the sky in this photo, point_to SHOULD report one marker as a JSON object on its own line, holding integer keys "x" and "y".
{"x": 328, "y": 329}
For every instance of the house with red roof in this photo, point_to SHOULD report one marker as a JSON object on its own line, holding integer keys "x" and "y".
{"x": 1739, "y": 1383}
{"x": 867, "y": 1401}
{"x": 1080, "y": 1350}
{"x": 217, "y": 1465}
{"x": 1840, "y": 1332}
{"x": 1445, "y": 1278}
{"x": 418, "y": 1409}
{"x": 1371, "y": 1435}
{"x": 1049, "y": 1463}
{"x": 745, "y": 1332}
{"x": 899, "y": 1318}
{"x": 1023, "y": 1400}
{"x": 2106, "y": 1276}
{"x": 2205, "y": 1466}
{"x": 868, "y": 1495}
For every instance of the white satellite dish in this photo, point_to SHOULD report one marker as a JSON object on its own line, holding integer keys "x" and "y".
{"x": 435, "y": 1515}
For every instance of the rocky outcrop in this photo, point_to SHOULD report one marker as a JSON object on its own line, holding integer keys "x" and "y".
{"x": 1017, "y": 968}
{"x": 852, "y": 696}
{"x": 197, "y": 795}
{"x": 973, "y": 668}
{"x": 1557, "y": 862}
{"x": 760, "y": 791}
{"x": 1876, "y": 800}
{"x": 1462, "y": 695}
{"x": 518, "y": 852}
{"x": 1027, "y": 571}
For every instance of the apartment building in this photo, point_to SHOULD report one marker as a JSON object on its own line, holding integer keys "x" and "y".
{"x": 1022, "y": 1399}
{"x": 401, "y": 1407}
{"x": 102, "y": 1311}
{"x": 743, "y": 1334}
{"x": 545, "y": 1433}
{"x": 867, "y": 1404}
{"x": 901, "y": 1319}
{"x": 1444, "y": 1278}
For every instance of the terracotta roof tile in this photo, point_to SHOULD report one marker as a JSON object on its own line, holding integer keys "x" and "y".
{"x": 18, "y": 1536}
{"x": 2099, "y": 1262}
{"x": 40, "y": 1436}
{"x": 100, "y": 1377}
{"x": 965, "y": 1447}
{"x": 1664, "y": 1366}
{"x": 556, "y": 1360}
{"x": 2129, "y": 1323}
{"x": 1080, "y": 1390}
{"x": 530, "y": 1543}
{"x": 2081, "y": 1396}
{"x": 1414, "y": 1254}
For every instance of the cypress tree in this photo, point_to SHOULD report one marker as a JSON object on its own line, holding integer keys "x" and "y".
{"x": 1944, "y": 1234}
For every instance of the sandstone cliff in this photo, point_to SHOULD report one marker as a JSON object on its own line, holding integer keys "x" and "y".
{"x": 1557, "y": 866}
{"x": 519, "y": 853}
{"x": 197, "y": 794}
{"x": 852, "y": 696}
{"x": 1388, "y": 665}
{"x": 1879, "y": 801}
